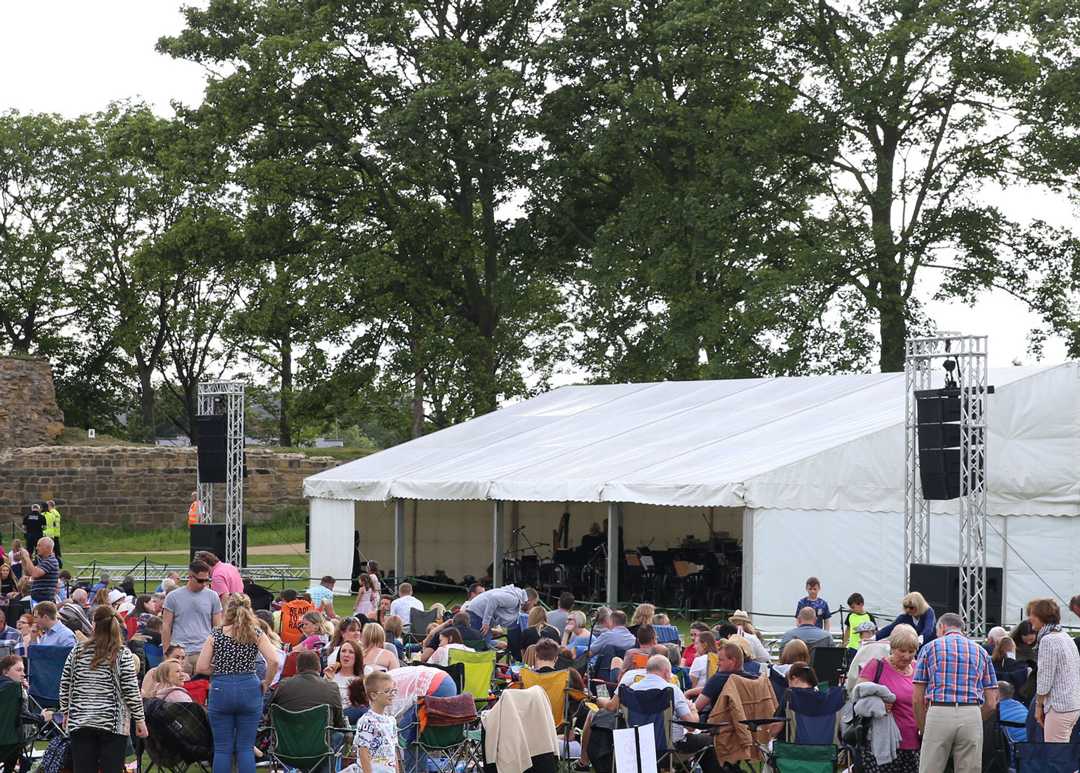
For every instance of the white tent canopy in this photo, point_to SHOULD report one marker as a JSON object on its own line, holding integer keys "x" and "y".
{"x": 819, "y": 443}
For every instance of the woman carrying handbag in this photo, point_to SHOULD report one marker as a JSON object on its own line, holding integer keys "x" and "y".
{"x": 99, "y": 697}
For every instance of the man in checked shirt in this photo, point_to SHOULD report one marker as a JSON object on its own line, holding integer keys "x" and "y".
{"x": 955, "y": 689}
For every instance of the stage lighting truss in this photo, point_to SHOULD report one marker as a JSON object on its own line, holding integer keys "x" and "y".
{"x": 957, "y": 361}
{"x": 213, "y": 397}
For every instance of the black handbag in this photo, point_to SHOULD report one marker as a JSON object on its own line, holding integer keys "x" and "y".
{"x": 855, "y": 734}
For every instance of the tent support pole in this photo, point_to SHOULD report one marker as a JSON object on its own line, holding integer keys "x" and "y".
{"x": 614, "y": 522}
{"x": 498, "y": 545}
{"x": 399, "y": 539}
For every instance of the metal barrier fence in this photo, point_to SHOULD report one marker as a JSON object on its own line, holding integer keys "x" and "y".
{"x": 153, "y": 572}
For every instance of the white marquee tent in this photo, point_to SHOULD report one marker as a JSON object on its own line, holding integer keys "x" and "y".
{"x": 807, "y": 472}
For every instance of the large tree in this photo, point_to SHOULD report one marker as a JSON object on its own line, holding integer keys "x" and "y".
{"x": 681, "y": 186}
{"x": 412, "y": 120}
{"x": 39, "y": 172}
{"x": 932, "y": 102}
{"x": 129, "y": 196}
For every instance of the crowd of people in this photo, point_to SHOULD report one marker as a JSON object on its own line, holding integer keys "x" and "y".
{"x": 934, "y": 685}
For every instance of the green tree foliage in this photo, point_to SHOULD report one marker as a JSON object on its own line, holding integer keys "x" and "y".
{"x": 677, "y": 183}
{"x": 931, "y": 102}
{"x": 411, "y": 121}
{"x": 39, "y": 172}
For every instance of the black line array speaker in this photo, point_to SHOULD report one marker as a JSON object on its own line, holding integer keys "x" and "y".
{"x": 211, "y": 537}
{"x": 212, "y": 433}
{"x": 940, "y": 586}
{"x": 937, "y": 413}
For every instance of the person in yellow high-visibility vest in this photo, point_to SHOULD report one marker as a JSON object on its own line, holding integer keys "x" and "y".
{"x": 52, "y": 526}
{"x": 194, "y": 512}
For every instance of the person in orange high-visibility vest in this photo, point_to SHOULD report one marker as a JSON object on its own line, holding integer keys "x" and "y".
{"x": 195, "y": 510}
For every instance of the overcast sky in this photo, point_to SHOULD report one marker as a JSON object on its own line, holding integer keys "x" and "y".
{"x": 74, "y": 56}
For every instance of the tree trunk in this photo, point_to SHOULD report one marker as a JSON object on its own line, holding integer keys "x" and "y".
{"x": 892, "y": 327}
{"x": 286, "y": 396}
{"x": 147, "y": 403}
{"x": 417, "y": 390}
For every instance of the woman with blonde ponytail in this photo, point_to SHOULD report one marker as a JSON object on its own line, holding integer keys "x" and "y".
{"x": 235, "y": 702}
{"x": 99, "y": 697}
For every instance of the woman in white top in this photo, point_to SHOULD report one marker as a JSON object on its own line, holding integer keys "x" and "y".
{"x": 699, "y": 669}
{"x": 374, "y": 654}
{"x": 449, "y": 639}
{"x": 346, "y": 669}
{"x": 1057, "y": 693}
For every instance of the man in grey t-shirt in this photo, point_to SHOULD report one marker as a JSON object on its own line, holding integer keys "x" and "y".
{"x": 191, "y": 612}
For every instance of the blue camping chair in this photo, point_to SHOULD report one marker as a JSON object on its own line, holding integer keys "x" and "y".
{"x": 641, "y": 708}
{"x": 1047, "y": 757}
{"x": 154, "y": 655}
{"x": 666, "y": 634}
{"x": 45, "y": 665}
{"x": 638, "y": 708}
{"x": 602, "y": 666}
{"x": 815, "y": 715}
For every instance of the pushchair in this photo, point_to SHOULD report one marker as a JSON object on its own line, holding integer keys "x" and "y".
{"x": 180, "y": 736}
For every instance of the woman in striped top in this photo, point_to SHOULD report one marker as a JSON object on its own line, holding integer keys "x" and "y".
{"x": 99, "y": 696}
{"x": 1058, "y": 689}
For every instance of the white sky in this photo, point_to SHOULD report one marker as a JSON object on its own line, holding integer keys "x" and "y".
{"x": 75, "y": 56}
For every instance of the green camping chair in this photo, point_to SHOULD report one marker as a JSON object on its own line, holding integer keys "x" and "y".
{"x": 803, "y": 758}
{"x": 301, "y": 739}
{"x": 446, "y": 748}
{"x": 479, "y": 671}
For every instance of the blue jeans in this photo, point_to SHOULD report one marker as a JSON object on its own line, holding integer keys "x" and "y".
{"x": 235, "y": 706}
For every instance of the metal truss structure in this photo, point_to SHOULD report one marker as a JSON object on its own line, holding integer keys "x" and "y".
{"x": 969, "y": 354}
{"x": 211, "y": 395}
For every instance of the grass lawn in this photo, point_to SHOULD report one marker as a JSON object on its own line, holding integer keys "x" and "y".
{"x": 116, "y": 546}
{"x": 287, "y": 527}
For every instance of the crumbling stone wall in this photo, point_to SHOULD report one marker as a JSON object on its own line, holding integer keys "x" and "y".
{"x": 141, "y": 487}
{"x": 29, "y": 415}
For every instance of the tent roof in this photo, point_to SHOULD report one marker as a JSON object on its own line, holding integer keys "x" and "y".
{"x": 816, "y": 442}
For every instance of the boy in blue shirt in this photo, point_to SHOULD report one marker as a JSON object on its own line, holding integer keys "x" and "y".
{"x": 812, "y": 599}
{"x": 1012, "y": 710}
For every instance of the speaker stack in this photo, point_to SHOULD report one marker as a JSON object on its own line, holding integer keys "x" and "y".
{"x": 938, "y": 418}
{"x": 212, "y": 433}
{"x": 211, "y": 537}
{"x": 940, "y": 586}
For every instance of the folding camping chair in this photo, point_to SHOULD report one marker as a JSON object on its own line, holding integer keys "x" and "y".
{"x": 1047, "y": 757}
{"x": 419, "y": 620}
{"x": 180, "y": 737}
{"x": 667, "y": 634}
{"x": 302, "y": 739}
{"x": 602, "y": 667}
{"x": 447, "y": 735}
{"x": 154, "y": 655}
{"x": 45, "y": 666}
{"x": 814, "y": 715}
{"x": 812, "y": 728}
{"x": 556, "y": 685}
{"x": 828, "y": 663}
{"x": 639, "y": 708}
{"x": 456, "y": 672}
{"x": 787, "y": 757}
{"x": 479, "y": 671}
